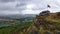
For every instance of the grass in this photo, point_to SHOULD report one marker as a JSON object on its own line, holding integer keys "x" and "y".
{"x": 15, "y": 28}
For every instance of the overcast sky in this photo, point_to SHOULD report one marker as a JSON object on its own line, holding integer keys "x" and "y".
{"x": 27, "y": 6}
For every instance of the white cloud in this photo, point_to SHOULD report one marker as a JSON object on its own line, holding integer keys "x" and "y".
{"x": 30, "y": 6}
{"x": 30, "y": 11}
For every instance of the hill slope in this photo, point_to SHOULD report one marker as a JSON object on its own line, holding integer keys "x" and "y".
{"x": 50, "y": 24}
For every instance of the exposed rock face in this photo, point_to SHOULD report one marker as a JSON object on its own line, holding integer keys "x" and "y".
{"x": 40, "y": 22}
{"x": 57, "y": 32}
{"x": 47, "y": 32}
{"x": 34, "y": 32}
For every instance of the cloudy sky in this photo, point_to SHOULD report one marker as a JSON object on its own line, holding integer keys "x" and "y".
{"x": 27, "y": 6}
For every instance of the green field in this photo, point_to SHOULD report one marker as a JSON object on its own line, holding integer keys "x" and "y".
{"x": 14, "y": 28}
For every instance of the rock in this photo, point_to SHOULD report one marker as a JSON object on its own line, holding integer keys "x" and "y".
{"x": 57, "y": 32}
{"x": 47, "y": 32}
{"x": 34, "y": 32}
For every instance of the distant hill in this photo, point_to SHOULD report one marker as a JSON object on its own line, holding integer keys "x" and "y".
{"x": 17, "y": 17}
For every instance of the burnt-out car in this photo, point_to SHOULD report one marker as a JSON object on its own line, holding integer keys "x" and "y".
{"x": 43, "y": 13}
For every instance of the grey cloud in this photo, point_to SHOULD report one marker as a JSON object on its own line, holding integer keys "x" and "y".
{"x": 20, "y": 5}
{"x": 3, "y": 1}
{"x": 23, "y": 2}
{"x": 11, "y": 8}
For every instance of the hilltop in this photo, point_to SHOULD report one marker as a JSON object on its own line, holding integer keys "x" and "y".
{"x": 55, "y": 17}
{"x": 45, "y": 23}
